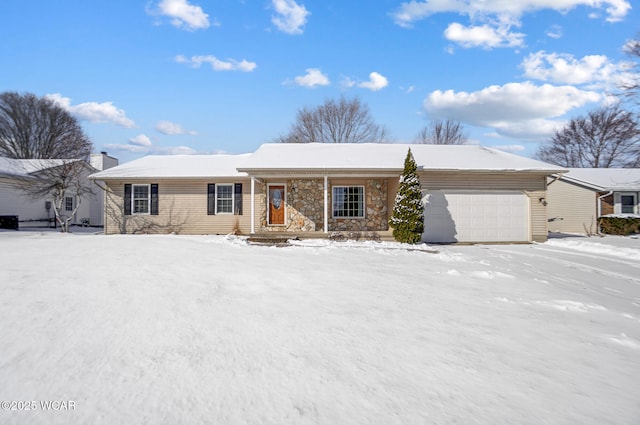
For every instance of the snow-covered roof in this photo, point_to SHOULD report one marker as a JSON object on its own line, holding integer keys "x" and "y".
{"x": 319, "y": 157}
{"x": 25, "y": 167}
{"x": 387, "y": 157}
{"x": 176, "y": 166}
{"x": 616, "y": 179}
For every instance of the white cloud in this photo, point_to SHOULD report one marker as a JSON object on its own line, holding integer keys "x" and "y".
{"x": 376, "y": 82}
{"x": 414, "y": 10}
{"x": 127, "y": 148}
{"x": 314, "y": 77}
{"x": 291, "y": 17}
{"x": 140, "y": 140}
{"x": 142, "y": 144}
{"x": 535, "y": 129}
{"x": 555, "y": 31}
{"x": 217, "y": 64}
{"x": 172, "y": 129}
{"x": 94, "y": 112}
{"x": 183, "y": 15}
{"x": 484, "y": 36}
{"x": 347, "y": 82}
{"x": 596, "y": 70}
{"x": 175, "y": 150}
{"x": 492, "y": 20}
{"x": 521, "y": 110}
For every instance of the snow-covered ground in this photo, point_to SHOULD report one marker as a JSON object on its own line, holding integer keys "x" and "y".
{"x": 211, "y": 330}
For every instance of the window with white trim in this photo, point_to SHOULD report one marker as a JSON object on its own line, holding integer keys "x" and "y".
{"x": 628, "y": 203}
{"x": 68, "y": 203}
{"x": 348, "y": 201}
{"x": 224, "y": 199}
{"x": 140, "y": 199}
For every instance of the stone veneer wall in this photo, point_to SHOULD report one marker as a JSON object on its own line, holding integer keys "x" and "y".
{"x": 376, "y": 210}
{"x": 305, "y": 204}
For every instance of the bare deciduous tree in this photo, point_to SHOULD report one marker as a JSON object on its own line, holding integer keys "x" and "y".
{"x": 606, "y": 137}
{"x": 631, "y": 85}
{"x": 33, "y": 127}
{"x": 345, "y": 121}
{"x": 37, "y": 128}
{"x": 57, "y": 180}
{"x": 440, "y": 132}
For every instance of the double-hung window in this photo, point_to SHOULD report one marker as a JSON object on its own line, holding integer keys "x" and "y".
{"x": 140, "y": 199}
{"x": 224, "y": 198}
{"x": 348, "y": 201}
{"x": 68, "y": 203}
{"x": 628, "y": 203}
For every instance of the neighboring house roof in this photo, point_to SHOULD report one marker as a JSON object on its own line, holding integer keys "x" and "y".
{"x": 27, "y": 167}
{"x": 605, "y": 179}
{"x": 387, "y": 157}
{"x": 176, "y": 166}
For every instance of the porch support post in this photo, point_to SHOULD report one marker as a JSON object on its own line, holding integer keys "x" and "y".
{"x": 253, "y": 204}
{"x": 326, "y": 204}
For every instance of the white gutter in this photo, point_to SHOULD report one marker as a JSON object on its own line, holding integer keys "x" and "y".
{"x": 600, "y": 207}
{"x": 600, "y": 201}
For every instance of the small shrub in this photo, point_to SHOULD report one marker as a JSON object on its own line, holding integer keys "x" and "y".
{"x": 619, "y": 225}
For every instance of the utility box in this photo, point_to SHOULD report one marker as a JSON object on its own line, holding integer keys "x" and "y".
{"x": 9, "y": 222}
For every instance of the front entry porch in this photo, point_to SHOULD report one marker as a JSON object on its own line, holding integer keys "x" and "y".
{"x": 323, "y": 205}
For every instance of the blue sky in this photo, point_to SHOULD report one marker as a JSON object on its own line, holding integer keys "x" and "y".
{"x": 209, "y": 76}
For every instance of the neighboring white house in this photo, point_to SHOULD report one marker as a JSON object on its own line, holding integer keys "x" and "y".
{"x": 577, "y": 198}
{"x": 39, "y": 212}
{"x": 99, "y": 161}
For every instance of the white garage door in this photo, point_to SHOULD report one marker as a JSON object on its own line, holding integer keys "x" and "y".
{"x": 476, "y": 217}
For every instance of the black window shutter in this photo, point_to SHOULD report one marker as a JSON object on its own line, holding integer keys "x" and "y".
{"x": 127, "y": 199}
{"x": 237, "y": 208}
{"x": 154, "y": 199}
{"x": 211, "y": 199}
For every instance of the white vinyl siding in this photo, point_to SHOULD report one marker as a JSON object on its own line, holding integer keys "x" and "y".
{"x": 571, "y": 208}
{"x": 184, "y": 206}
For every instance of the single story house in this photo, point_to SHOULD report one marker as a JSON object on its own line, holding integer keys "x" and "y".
{"x": 578, "y": 197}
{"x": 16, "y": 173}
{"x": 471, "y": 193}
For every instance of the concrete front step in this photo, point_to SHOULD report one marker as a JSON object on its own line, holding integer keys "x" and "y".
{"x": 276, "y": 238}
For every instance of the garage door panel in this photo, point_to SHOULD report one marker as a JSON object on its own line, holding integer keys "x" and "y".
{"x": 476, "y": 217}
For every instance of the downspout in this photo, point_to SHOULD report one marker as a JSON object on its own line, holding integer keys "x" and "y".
{"x": 599, "y": 211}
{"x": 556, "y": 178}
{"x": 600, "y": 201}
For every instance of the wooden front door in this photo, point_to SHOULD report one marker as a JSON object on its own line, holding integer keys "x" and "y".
{"x": 276, "y": 205}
